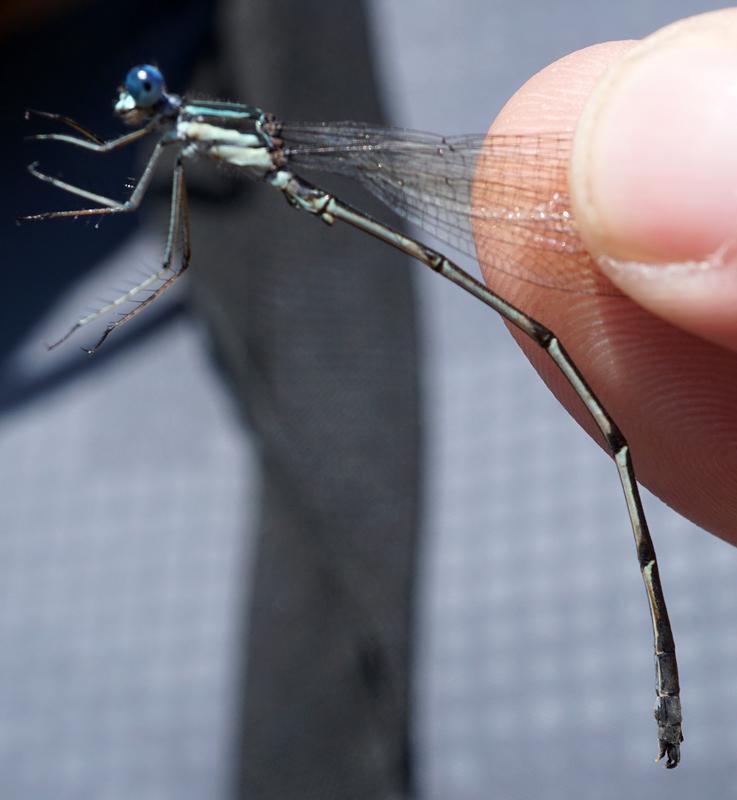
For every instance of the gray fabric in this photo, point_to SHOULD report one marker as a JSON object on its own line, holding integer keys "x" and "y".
{"x": 315, "y": 330}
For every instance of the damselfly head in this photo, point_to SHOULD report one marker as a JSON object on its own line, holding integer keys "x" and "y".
{"x": 142, "y": 95}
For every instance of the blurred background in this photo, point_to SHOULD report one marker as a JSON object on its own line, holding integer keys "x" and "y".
{"x": 267, "y": 543}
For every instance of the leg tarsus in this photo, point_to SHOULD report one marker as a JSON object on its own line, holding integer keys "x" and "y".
{"x": 54, "y": 345}
{"x": 68, "y": 121}
{"x": 89, "y": 141}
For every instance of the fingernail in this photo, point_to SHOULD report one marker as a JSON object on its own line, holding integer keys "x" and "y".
{"x": 654, "y": 169}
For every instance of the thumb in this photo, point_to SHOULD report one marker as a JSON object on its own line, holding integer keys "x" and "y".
{"x": 654, "y": 174}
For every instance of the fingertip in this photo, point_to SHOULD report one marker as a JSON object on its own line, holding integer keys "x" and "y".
{"x": 699, "y": 296}
{"x": 654, "y": 174}
{"x": 673, "y": 395}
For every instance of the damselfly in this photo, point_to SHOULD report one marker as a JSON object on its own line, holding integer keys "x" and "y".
{"x": 463, "y": 190}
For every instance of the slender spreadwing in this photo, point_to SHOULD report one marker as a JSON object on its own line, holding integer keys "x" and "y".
{"x": 464, "y": 190}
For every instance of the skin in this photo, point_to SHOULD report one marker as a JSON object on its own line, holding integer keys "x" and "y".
{"x": 642, "y": 191}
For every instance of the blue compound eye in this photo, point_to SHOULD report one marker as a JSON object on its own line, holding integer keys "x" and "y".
{"x": 145, "y": 84}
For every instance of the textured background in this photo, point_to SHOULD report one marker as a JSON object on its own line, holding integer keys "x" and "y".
{"x": 119, "y": 621}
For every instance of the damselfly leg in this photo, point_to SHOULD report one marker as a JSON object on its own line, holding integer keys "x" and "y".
{"x": 91, "y": 140}
{"x": 178, "y": 221}
{"x": 107, "y": 205}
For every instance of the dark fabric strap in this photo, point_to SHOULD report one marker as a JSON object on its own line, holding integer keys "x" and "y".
{"x": 315, "y": 329}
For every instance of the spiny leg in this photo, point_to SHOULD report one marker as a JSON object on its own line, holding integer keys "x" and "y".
{"x": 178, "y": 224}
{"x": 303, "y": 195}
{"x": 91, "y": 141}
{"x": 107, "y": 204}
